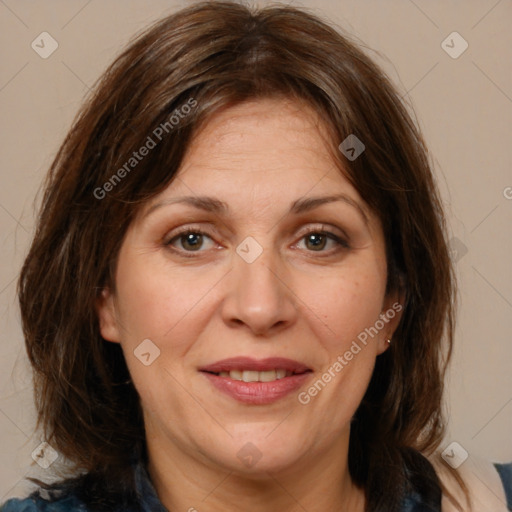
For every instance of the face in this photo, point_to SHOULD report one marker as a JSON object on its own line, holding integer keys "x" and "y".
{"x": 258, "y": 271}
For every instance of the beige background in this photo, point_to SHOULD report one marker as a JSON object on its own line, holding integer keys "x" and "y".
{"x": 464, "y": 106}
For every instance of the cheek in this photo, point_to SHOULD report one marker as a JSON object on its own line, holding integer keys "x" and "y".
{"x": 155, "y": 299}
{"x": 350, "y": 306}
{"x": 347, "y": 305}
{"x": 164, "y": 304}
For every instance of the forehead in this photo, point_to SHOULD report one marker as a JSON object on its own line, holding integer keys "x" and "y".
{"x": 260, "y": 163}
{"x": 262, "y": 151}
{"x": 261, "y": 134}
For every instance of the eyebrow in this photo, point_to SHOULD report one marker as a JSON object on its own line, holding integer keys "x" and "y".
{"x": 214, "y": 205}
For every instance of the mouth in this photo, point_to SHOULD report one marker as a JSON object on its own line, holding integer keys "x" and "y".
{"x": 256, "y": 382}
{"x": 255, "y": 376}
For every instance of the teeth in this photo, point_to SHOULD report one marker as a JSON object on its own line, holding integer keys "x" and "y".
{"x": 268, "y": 376}
{"x": 281, "y": 373}
{"x": 248, "y": 376}
{"x": 254, "y": 376}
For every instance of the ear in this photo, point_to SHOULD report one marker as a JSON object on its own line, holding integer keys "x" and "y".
{"x": 105, "y": 309}
{"x": 391, "y": 314}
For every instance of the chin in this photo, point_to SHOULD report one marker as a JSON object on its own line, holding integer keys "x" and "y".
{"x": 256, "y": 455}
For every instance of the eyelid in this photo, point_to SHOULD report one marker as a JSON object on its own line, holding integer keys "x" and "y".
{"x": 327, "y": 228}
{"x": 314, "y": 228}
{"x": 167, "y": 239}
{"x": 342, "y": 240}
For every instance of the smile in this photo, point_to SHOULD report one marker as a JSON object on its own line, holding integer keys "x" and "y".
{"x": 255, "y": 376}
{"x": 256, "y": 381}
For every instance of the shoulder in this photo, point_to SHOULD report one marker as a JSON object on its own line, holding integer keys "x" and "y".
{"x": 489, "y": 485}
{"x": 36, "y": 503}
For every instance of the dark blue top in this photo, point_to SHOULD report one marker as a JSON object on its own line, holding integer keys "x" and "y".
{"x": 149, "y": 501}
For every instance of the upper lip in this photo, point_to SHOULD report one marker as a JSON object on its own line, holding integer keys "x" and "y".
{"x": 259, "y": 365}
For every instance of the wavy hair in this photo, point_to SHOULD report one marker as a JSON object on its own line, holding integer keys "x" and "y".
{"x": 221, "y": 54}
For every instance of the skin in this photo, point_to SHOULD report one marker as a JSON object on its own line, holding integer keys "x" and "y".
{"x": 298, "y": 300}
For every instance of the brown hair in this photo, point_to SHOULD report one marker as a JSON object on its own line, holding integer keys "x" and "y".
{"x": 220, "y": 54}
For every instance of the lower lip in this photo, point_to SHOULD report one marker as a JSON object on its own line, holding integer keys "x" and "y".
{"x": 257, "y": 393}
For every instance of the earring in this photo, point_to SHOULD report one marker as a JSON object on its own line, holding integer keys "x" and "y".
{"x": 389, "y": 341}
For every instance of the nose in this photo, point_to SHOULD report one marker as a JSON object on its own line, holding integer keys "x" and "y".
{"x": 259, "y": 296}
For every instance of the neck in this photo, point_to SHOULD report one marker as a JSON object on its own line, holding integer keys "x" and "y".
{"x": 187, "y": 482}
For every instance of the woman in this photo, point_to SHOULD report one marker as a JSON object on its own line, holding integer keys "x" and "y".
{"x": 239, "y": 295}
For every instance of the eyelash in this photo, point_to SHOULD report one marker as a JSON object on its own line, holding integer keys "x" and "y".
{"x": 342, "y": 244}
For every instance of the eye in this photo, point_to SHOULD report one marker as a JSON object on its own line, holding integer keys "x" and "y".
{"x": 190, "y": 240}
{"x": 316, "y": 241}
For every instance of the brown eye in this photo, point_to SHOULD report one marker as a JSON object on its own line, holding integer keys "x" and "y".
{"x": 191, "y": 241}
{"x": 188, "y": 241}
{"x": 316, "y": 241}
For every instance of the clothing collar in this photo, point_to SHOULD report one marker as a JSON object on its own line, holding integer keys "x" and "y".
{"x": 149, "y": 501}
{"x": 146, "y": 492}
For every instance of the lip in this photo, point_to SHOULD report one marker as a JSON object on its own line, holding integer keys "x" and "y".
{"x": 257, "y": 393}
{"x": 259, "y": 365}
